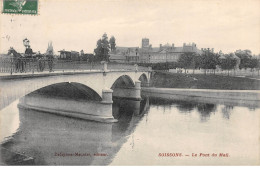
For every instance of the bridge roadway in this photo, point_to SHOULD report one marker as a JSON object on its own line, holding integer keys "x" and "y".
{"x": 98, "y": 85}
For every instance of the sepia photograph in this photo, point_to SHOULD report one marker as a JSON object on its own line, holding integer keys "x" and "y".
{"x": 130, "y": 83}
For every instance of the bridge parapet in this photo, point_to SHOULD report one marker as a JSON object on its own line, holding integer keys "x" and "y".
{"x": 18, "y": 66}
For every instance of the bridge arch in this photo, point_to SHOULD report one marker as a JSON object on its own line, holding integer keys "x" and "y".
{"x": 126, "y": 86}
{"x": 72, "y": 90}
{"x": 123, "y": 81}
{"x": 144, "y": 80}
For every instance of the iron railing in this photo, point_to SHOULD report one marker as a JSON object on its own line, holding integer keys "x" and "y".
{"x": 33, "y": 65}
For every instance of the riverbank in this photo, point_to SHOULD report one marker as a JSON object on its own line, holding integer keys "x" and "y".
{"x": 248, "y": 98}
{"x": 201, "y": 81}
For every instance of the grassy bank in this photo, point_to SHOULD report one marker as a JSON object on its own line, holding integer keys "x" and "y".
{"x": 201, "y": 81}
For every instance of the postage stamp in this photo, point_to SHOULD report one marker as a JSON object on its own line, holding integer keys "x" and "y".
{"x": 20, "y": 7}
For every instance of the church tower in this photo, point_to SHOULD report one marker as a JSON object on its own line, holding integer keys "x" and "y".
{"x": 50, "y": 49}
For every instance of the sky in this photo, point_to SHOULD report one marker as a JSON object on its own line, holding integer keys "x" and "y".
{"x": 226, "y": 25}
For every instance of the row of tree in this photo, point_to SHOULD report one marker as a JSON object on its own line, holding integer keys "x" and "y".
{"x": 210, "y": 60}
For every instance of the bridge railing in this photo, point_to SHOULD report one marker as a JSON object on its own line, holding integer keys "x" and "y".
{"x": 125, "y": 66}
{"x": 6, "y": 65}
{"x": 22, "y": 65}
{"x": 33, "y": 65}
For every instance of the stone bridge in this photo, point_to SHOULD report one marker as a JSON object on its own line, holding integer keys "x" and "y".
{"x": 97, "y": 88}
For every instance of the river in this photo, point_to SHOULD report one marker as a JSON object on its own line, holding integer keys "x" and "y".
{"x": 154, "y": 131}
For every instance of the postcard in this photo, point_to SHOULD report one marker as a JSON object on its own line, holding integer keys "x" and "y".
{"x": 130, "y": 82}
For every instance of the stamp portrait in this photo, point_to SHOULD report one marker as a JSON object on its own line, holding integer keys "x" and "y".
{"x": 20, "y": 7}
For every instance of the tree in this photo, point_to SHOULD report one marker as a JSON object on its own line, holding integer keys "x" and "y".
{"x": 103, "y": 48}
{"x": 258, "y": 63}
{"x": 98, "y": 51}
{"x": 209, "y": 60}
{"x": 253, "y": 63}
{"x": 196, "y": 62}
{"x": 244, "y": 56}
{"x": 112, "y": 42}
{"x": 228, "y": 62}
{"x": 186, "y": 59}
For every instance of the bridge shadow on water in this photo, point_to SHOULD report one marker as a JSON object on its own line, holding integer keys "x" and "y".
{"x": 51, "y": 139}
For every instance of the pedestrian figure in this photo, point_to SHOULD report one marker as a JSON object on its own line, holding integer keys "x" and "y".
{"x": 28, "y": 57}
{"x": 50, "y": 62}
{"x": 22, "y": 64}
{"x": 16, "y": 63}
{"x": 50, "y": 56}
{"x": 41, "y": 63}
{"x": 28, "y": 52}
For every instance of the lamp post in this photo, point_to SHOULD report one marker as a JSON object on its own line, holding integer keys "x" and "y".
{"x": 166, "y": 60}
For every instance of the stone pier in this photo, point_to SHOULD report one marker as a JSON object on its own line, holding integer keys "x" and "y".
{"x": 133, "y": 93}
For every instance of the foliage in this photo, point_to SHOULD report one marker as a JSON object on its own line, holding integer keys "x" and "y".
{"x": 186, "y": 59}
{"x": 208, "y": 60}
{"x": 112, "y": 42}
{"x": 228, "y": 62}
{"x": 160, "y": 66}
{"x": 246, "y": 59}
{"x": 196, "y": 61}
{"x": 245, "y": 56}
{"x": 253, "y": 63}
{"x": 102, "y": 50}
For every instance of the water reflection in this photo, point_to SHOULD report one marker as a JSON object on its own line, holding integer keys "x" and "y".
{"x": 226, "y": 111}
{"x": 205, "y": 128}
{"x": 128, "y": 113}
{"x": 46, "y": 137}
{"x": 186, "y": 107}
{"x": 151, "y": 125}
{"x": 182, "y": 106}
{"x": 205, "y": 111}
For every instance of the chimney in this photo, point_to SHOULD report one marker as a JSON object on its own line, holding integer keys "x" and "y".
{"x": 172, "y": 45}
{"x": 184, "y": 44}
{"x": 212, "y": 50}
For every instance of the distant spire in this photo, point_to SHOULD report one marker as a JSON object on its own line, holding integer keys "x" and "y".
{"x": 50, "y": 48}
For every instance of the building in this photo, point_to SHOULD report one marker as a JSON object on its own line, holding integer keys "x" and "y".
{"x": 125, "y": 55}
{"x": 89, "y": 57}
{"x": 206, "y": 50}
{"x": 166, "y": 53}
{"x": 69, "y": 55}
{"x": 148, "y": 54}
{"x": 145, "y": 43}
